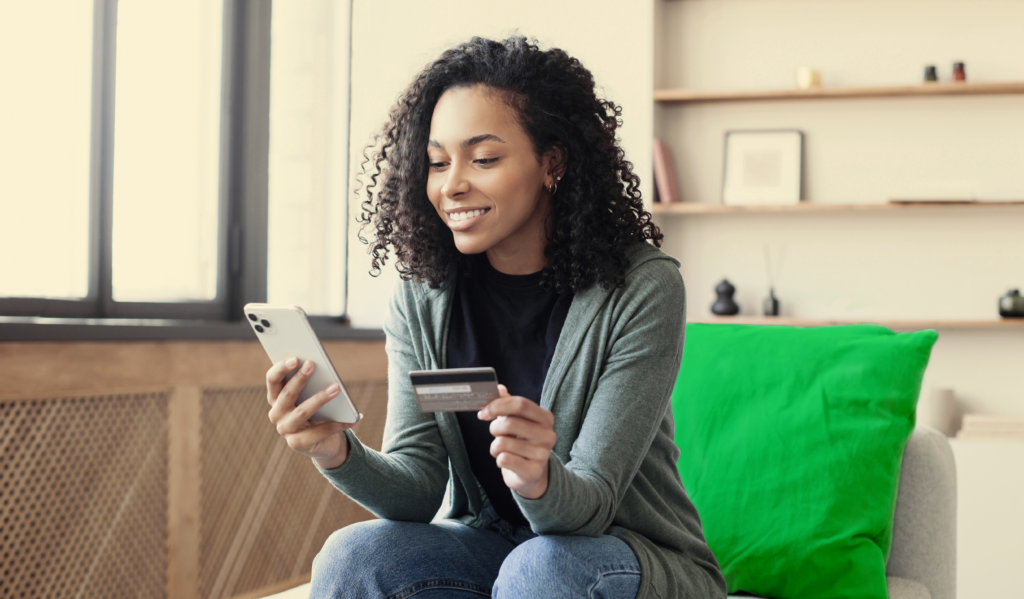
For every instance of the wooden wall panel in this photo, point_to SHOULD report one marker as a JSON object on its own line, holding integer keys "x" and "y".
{"x": 50, "y": 368}
{"x": 150, "y": 469}
{"x": 184, "y": 464}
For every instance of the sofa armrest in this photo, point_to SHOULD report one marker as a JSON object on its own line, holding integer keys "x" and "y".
{"x": 924, "y": 532}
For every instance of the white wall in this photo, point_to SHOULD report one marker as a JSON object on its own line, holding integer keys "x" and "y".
{"x": 394, "y": 39}
{"x": 927, "y": 264}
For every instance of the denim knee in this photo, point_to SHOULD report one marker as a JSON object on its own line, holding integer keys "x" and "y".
{"x": 532, "y": 569}
{"x": 344, "y": 558}
{"x": 569, "y": 567}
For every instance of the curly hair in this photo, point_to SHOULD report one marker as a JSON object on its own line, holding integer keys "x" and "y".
{"x": 597, "y": 209}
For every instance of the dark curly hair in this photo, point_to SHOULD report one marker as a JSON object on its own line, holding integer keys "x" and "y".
{"x": 598, "y": 211}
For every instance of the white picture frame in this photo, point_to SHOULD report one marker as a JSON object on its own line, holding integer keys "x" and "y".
{"x": 763, "y": 168}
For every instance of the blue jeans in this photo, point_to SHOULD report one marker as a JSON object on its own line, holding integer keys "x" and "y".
{"x": 384, "y": 559}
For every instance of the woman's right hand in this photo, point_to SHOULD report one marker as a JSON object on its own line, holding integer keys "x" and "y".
{"x": 323, "y": 441}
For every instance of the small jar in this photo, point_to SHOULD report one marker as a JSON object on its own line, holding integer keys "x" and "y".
{"x": 958, "y": 72}
{"x": 930, "y": 75}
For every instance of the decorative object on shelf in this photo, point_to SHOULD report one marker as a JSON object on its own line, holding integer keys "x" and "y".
{"x": 763, "y": 168}
{"x": 938, "y": 409}
{"x": 1011, "y": 305}
{"x": 666, "y": 185}
{"x": 772, "y": 268}
{"x": 771, "y": 304}
{"x": 930, "y": 75}
{"x": 807, "y": 78}
{"x": 958, "y": 72}
{"x": 725, "y": 305}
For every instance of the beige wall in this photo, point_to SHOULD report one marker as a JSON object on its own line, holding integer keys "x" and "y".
{"x": 394, "y": 39}
{"x": 928, "y": 264}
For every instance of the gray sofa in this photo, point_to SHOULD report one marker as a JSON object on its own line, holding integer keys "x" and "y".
{"x": 922, "y": 564}
{"x": 923, "y": 559}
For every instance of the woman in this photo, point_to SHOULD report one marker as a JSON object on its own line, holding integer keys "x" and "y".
{"x": 521, "y": 238}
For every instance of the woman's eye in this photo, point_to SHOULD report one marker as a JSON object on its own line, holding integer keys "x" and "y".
{"x": 438, "y": 165}
{"x": 485, "y": 160}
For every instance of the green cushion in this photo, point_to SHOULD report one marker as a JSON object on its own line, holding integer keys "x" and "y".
{"x": 791, "y": 441}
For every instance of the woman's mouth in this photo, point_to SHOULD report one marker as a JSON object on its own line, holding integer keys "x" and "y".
{"x": 464, "y": 219}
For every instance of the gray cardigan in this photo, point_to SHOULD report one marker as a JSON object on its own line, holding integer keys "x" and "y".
{"x": 613, "y": 468}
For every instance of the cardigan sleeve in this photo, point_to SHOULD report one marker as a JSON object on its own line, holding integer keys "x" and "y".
{"x": 628, "y": 406}
{"x": 406, "y": 480}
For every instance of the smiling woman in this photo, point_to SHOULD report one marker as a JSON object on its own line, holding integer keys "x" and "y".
{"x": 490, "y": 188}
{"x": 542, "y": 107}
{"x": 522, "y": 242}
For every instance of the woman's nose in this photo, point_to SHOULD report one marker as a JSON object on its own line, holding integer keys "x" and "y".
{"x": 456, "y": 183}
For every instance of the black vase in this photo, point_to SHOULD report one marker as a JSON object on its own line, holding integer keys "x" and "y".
{"x": 771, "y": 304}
{"x": 725, "y": 305}
{"x": 1011, "y": 305}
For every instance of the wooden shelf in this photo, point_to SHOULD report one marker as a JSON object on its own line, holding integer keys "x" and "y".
{"x": 701, "y": 208}
{"x": 677, "y": 96}
{"x": 899, "y": 325}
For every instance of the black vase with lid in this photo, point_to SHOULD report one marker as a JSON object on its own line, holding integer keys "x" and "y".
{"x": 725, "y": 305}
{"x": 1011, "y": 305}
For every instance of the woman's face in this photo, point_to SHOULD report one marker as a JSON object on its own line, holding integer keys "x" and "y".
{"x": 486, "y": 182}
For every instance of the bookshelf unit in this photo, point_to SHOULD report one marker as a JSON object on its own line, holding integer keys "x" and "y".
{"x": 736, "y": 107}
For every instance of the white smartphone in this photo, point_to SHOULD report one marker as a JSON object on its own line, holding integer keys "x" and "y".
{"x": 285, "y": 332}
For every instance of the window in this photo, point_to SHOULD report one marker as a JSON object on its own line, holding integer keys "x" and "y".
{"x": 44, "y": 155}
{"x": 166, "y": 150}
{"x": 149, "y": 147}
{"x": 308, "y": 155}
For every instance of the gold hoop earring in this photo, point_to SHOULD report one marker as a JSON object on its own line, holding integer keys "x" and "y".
{"x": 554, "y": 186}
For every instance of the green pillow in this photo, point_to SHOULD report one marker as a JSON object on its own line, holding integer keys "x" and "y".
{"x": 791, "y": 441}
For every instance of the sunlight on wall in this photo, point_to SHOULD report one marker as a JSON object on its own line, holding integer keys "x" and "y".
{"x": 166, "y": 150}
{"x": 44, "y": 148}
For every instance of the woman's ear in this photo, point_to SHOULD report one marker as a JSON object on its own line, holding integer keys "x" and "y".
{"x": 555, "y": 162}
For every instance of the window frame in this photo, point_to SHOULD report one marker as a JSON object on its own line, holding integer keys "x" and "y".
{"x": 242, "y": 206}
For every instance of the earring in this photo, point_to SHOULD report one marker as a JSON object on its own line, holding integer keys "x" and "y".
{"x": 554, "y": 186}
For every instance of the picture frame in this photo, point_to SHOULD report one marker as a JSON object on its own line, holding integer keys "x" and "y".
{"x": 763, "y": 167}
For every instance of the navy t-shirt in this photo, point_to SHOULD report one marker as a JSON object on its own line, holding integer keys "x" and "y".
{"x": 512, "y": 324}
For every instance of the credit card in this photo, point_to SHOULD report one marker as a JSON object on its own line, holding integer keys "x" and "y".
{"x": 454, "y": 389}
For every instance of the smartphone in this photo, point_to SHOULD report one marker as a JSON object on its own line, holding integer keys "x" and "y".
{"x": 285, "y": 332}
{"x": 454, "y": 389}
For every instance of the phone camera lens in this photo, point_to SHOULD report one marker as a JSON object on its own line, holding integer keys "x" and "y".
{"x": 252, "y": 317}
{"x": 259, "y": 329}
{"x": 265, "y": 323}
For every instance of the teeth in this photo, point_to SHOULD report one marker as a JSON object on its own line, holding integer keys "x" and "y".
{"x": 461, "y": 216}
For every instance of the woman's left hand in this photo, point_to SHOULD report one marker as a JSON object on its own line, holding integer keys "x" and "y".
{"x": 524, "y": 435}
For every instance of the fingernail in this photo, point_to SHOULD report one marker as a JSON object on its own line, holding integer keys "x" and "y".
{"x": 333, "y": 389}
{"x": 291, "y": 362}
{"x": 481, "y": 414}
{"x": 307, "y": 367}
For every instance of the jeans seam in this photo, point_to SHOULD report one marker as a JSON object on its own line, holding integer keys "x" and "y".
{"x": 601, "y": 575}
{"x": 439, "y": 583}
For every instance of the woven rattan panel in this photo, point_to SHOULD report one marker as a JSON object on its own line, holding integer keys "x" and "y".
{"x": 266, "y": 510}
{"x": 83, "y": 497}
